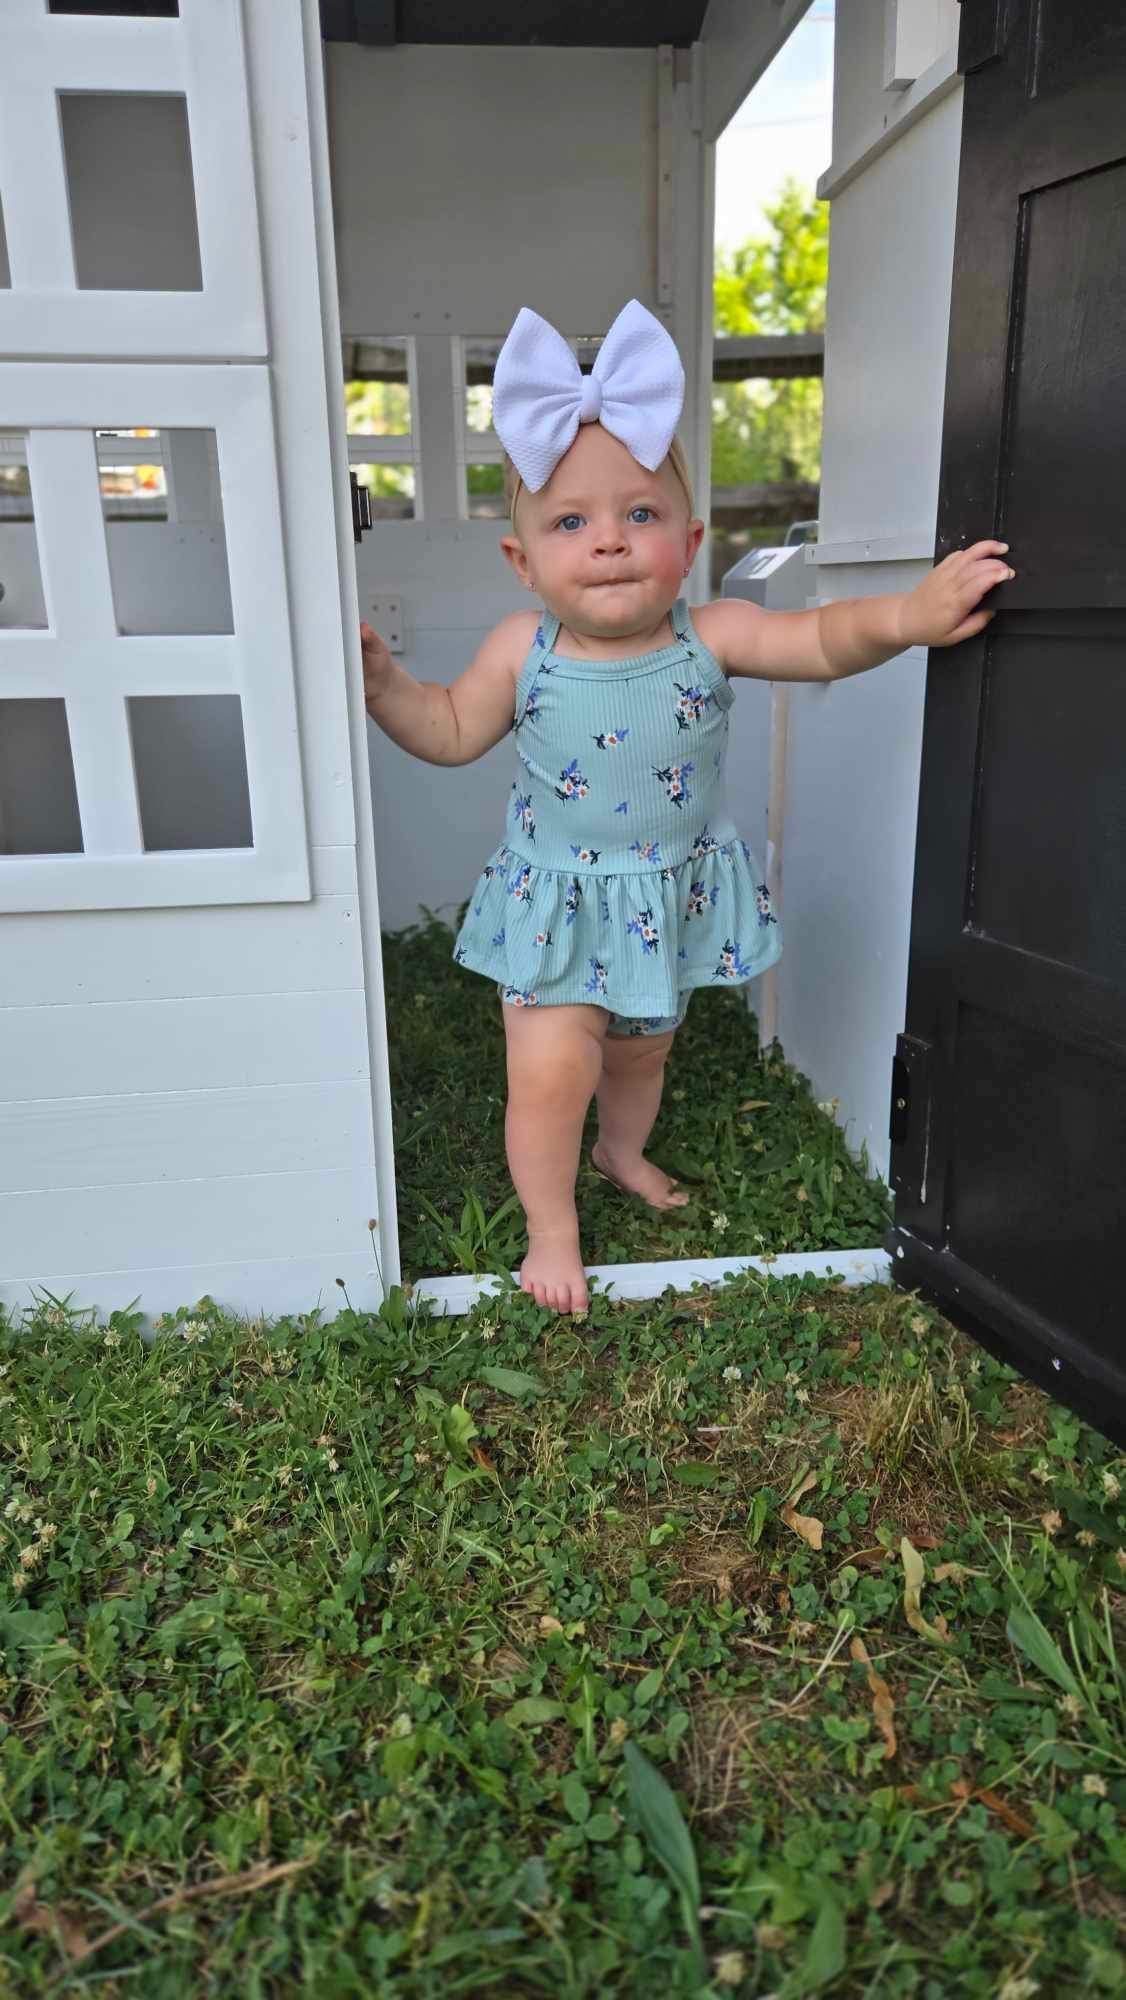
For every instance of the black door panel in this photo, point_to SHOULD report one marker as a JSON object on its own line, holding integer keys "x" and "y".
{"x": 1009, "y": 1102}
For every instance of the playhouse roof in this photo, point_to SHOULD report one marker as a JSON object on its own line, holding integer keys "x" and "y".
{"x": 558, "y": 23}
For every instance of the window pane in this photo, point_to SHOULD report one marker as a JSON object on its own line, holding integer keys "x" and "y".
{"x": 132, "y": 200}
{"x": 377, "y": 394}
{"x": 165, "y": 535}
{"x": 480, "y": 360}
{"x": 21, "y": 582}
{"x": 38, "y": 799}
{"x": 392, "y": 490}
{"x": 485, "y": 493}
{"x": 190, "y": 758}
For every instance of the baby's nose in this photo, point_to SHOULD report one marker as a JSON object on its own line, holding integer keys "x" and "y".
{"x": 610, "y": 538}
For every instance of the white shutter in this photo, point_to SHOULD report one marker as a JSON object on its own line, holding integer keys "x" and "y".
{"x": 118, "y": 363}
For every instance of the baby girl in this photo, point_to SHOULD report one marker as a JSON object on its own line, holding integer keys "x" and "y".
{"x": 622, "y": 882}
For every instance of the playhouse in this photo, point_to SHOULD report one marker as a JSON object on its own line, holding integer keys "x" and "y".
{"x": 220, "y": 221}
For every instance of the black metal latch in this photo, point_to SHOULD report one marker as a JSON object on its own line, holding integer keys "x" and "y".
{"x": 361, "y": 508}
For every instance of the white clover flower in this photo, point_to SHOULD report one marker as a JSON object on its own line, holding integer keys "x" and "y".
{"x": 1018, "y": 1989}
{"x": 917, "y": 1323}
{"x": 719, "y": 1223}
{"x": 1051, "y": 1522}
{"x": 829, "y": 1106}
{"x": 1111, "y": 1487}
{"x": 792, "y": 1376}
{"x": 1070, "y": 1706}
{"x": 801, "y": 1395}
{"x": 332, "y": 1461}
{"x": 284, "y": 1475}
{"x": 730, "y": 1968}
{"x": 488, "y": 1329}
{"x": 1042, "y": 1471}
{"x": 194, "y": 1330}
{"x": 47, "y": 1530}
{"x": 19, "y": 1581}
{"x": 1087, "y": 1538}
{"x": 30, "y": 1556}
{"x": 424, "y": 1676}
{"x": 11, "y": 1508}
{"x": 733, "y": 1374}
{"x": 150, "y": 1487}
{"x": 402, "y": 1726}
{"x": 803, "y": 1194}
{"x": 837, "y": 1172}
{"x": 1094, "y": 1786}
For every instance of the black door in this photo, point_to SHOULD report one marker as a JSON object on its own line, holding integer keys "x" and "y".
{"x": 1009, "y": 1086}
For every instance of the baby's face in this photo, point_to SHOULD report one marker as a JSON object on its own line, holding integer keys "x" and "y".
{"x": 605, "y": 543}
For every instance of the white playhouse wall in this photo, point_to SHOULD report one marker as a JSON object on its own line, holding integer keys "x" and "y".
{"x": 854, "y": 747}
{"x": 194, "y": 1098}
{"x": 468, "y": 182}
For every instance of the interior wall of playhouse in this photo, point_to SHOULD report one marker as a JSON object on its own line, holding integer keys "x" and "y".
{"x": 196, "y": 1099}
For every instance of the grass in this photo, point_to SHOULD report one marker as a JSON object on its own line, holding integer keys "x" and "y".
{"x": 758, "y": 1641}
{"x": 768, "y": 1167}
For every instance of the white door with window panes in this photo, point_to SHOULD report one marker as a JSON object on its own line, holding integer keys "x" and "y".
{"x": 145, "y": 648}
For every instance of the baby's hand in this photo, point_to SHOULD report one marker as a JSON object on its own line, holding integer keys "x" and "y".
{"x": 378, "y": 664}
{"x": 940, "y": 610}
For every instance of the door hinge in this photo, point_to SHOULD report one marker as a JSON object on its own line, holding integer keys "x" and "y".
{"x": 361, "y": 508}
{"x": 910, "y": 1124}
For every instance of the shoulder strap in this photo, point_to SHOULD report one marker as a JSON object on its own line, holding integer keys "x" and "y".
{"x": 681, "y": 622}
{"x": 547, "y": 632}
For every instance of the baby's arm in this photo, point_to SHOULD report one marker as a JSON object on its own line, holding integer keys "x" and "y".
{"x": 855, "y": 633}
{"x": 448, "y": 725}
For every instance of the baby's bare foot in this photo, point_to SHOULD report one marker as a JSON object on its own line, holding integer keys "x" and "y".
{"x": 639, "y": 1176}
{"x": 553, "y": 1271}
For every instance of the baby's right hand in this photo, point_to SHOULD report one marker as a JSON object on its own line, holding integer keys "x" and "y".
{"x": 378, "y": 664}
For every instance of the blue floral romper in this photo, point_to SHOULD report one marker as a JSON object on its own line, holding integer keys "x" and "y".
{"x": 622, "y": 882}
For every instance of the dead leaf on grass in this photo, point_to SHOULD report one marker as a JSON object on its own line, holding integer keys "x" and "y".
{"x": 33, "y": 1915}
{"x": 806, "y": 1525}
{"x": 914, "y": 1571}
{"x": 956, "y": 1573}
{"x": 756, "y": 1104}
{"x": 994, "y": 1803}
{"x": 883, "y": 1706}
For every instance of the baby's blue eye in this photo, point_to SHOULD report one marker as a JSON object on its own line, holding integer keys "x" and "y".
{"x": 570, "y": 522}
{"x": 647, "y": 511}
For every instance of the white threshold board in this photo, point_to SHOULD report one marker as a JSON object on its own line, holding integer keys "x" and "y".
{"x": 461, "y": 1293}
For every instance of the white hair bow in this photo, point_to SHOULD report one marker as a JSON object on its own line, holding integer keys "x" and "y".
{"x": 541, "y": 396}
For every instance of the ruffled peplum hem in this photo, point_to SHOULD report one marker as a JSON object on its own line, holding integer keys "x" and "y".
{"x": 630, "y": 942}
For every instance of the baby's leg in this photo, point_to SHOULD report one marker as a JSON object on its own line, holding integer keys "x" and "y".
{"x": 629, "y": 1098}
{"x": 554, "y": 1062}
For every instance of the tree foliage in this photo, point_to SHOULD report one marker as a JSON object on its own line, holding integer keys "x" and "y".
{"x": 774, "y": 283}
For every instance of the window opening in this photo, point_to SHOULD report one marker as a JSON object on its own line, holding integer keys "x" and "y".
{"x": 481, "y": 453}
{"x": 166, "y": 540}
{"x": 189, "y": 754}
{"x": 131, "y": 192}
{"x": 22, "y": 603}
{"x": 379, "y": 402}
{"x": 151, "y": 10}
{"x": 38, "y": 796}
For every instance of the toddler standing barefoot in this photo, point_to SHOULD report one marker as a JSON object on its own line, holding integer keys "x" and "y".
{"x": 622, "y": 883}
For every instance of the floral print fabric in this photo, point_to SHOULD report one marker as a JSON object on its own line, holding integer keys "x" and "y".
{"x": 622, "y": 880}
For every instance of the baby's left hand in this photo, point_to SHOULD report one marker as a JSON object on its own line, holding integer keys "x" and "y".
{"x": 940, "y": 610}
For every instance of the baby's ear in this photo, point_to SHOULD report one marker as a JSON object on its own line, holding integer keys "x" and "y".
{"x": 514, "y": 554}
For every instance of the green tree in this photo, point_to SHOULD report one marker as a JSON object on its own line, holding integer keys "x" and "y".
{"x": 774, "y": 283}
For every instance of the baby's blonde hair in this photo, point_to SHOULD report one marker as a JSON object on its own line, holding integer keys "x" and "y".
{"x": 514, "y": 485}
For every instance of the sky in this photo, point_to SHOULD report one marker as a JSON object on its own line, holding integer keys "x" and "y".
{"x": 783, "y": 127}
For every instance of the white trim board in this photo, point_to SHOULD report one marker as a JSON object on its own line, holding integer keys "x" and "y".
{"x": 459, "y": 1294}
